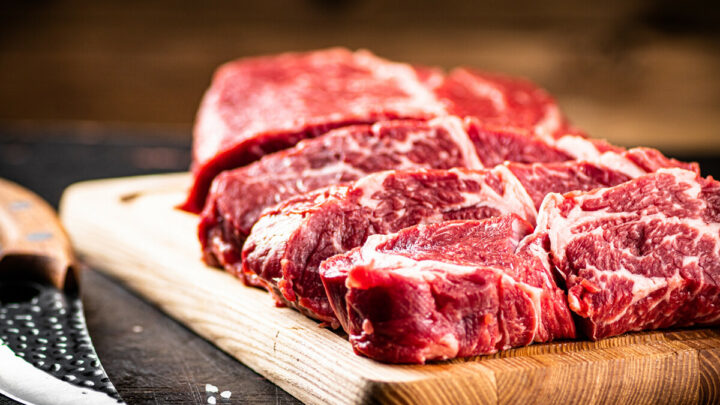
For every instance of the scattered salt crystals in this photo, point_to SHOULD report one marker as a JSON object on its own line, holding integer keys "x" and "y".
{"x": 212, "y": 401}
{"x": 137, "y": 329}
{"x": 210, "y": 388}
{"x": 226, "y": 394}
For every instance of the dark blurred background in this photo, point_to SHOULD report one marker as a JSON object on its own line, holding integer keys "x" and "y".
{"x": 635, "y": 72}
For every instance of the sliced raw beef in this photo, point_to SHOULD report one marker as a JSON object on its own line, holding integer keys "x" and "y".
{"x": 640, "y": 255}
{"x": 541, "y": 179}
{"x": 495, "y": 145}
{"x": 606, "y": 170}
{"x": 259, "y": 105}
{"x": 502, "y": 100}
{"x": 238, "y": 197}
{"x": 290, "y": 240}
{"x": 446, "y": 290}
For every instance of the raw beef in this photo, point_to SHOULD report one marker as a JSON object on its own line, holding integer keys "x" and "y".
{"x": 290, "y": 240}
{"x": 640, "y": 255}
{"x": 541, "y": 179}
{"x": 238, "y": 197}
{"x": 446, "y": 290}
{"x": 502, "y": 101}
{"x": 259, "y": 105}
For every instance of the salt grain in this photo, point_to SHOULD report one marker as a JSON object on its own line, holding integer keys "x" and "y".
{"x": 210, "y": 388}
{"x": 212, "y": 401}
{"x": 137, "y": 329}
{"x": 226, "y": 394}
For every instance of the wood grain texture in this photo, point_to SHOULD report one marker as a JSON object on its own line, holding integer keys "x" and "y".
{"x": 129, "y": 229}
{"x": 33, "y": 244}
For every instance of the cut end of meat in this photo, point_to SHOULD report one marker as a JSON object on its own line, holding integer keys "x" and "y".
{"x": 428, "y": 292}
{"x": 641, "y": 255}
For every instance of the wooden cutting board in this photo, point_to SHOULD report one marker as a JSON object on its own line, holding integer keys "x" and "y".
{"x": 129, "y": 229}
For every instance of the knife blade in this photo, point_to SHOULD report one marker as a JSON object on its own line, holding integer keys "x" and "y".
{"x": 46, "y": 355}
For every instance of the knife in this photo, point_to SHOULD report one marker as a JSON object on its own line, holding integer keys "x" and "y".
{"x": 46, "y": 355}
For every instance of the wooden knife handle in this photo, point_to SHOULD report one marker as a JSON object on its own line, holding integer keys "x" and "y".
{"x": 33, "y": 244}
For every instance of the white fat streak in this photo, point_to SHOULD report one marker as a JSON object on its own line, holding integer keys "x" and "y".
{"x": 535, "y": 296}
{"x": 446, "y": 348}
{"x": 404, "y": 265}
{"x": 456, "y": 129}
{"x": 578, "y": 147}
{"x": 404, "y": 75}
{"x": 550, "y": 122}
{"x": 538, "y": 252}
{"x": 401, "y": 148}
{"x": 428, "y": 270}
{"x": 370, "y": 185}
{"x": 619, "y": 162}
{"x": 516, "y": 199}
{"x": 407, "y": 144}
{"x": 642, "y": 287}
{"x": 583, "y": 149}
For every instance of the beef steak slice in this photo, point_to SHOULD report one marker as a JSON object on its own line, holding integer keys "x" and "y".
{"x": 446, "y": 290}
{"x": 641, "y": 255}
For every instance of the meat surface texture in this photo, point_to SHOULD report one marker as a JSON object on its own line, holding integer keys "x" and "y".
{"x": 502, "y": 101}
{"x": 640, "y": 255}
{"x": 430, "y": 293}
{"x": 259, "y": 105}
{"x": 238, "y": 197}
{"x": 290, "y": 240}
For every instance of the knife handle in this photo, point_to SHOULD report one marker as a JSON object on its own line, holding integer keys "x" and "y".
{"x": 33, "y": 244}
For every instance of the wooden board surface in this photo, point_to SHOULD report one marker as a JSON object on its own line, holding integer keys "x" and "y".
{"x": 129, "y": 229}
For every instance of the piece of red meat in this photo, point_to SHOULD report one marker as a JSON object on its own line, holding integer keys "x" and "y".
{"x": 289, "y": 241}
{"x": 238, "y": 197}
{"x": 256, "y": 106}
{"x": 501, "y": 100}
{"x": 641, "y": 255}
{"x": 446, "y": 290}
{"x": 263, "y": 104}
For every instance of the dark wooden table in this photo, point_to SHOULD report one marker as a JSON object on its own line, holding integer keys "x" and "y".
{"x": 150, "y": 357}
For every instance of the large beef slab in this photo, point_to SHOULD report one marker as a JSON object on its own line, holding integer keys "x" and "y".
{"x": 641, "y": 255}
{"x": 257, "y": 106}
{"x": 446, "y": 290}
